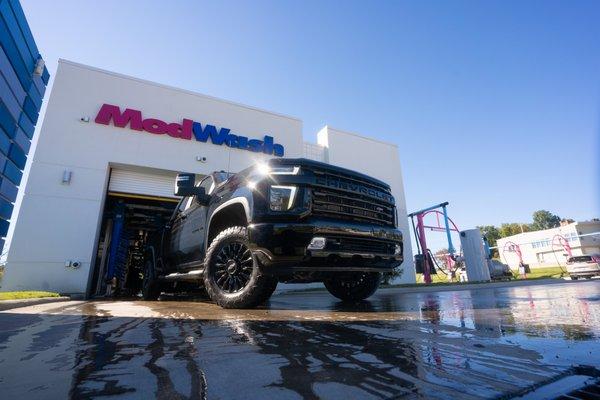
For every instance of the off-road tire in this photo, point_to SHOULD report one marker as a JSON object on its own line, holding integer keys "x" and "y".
{"x": 150, "y": 286}
{"x": 354, "y": 287}
{"x": 258, "y": 287}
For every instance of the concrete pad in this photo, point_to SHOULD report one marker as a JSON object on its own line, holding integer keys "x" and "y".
{"x": 486, "y": 342}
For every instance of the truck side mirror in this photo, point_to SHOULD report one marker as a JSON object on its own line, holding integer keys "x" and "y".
{"x": 185, "y": 185}
{"x": 201, "y": 197}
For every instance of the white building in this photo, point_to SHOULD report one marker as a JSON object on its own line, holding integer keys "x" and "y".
{"x": 547, "y": 247}
{"x": 81, "y": 166}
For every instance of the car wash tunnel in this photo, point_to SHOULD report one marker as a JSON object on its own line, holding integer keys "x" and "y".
{"x": 128, "y": 223}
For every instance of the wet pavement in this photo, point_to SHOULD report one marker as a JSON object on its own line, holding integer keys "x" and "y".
{"x": 481, "y": 343}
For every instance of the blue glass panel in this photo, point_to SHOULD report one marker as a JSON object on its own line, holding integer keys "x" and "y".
{"x": 17, "y": 35}
{"x": 7, "y": 70}
{"x": 6, "y": 209}
{"x": 14, "y": 57}
{"x": 4, "y": 142}
{"x": 22, "y": 140}
{"x": 37, "y": 90}
{"x": 34, "y": 94}
{"x": 45, "y": 75}
{"x": 9, "y": 99}
{"x": 26, "y": 125}
{"x": 31, "y": 110}
{"x": 20, "y": 16}
{"x": 3, "y": 227}
{"x": 13, "y": 173}
{"x": 17, "y": 156}
{"x": 6, "y": 120}
{"x": 8, "y": 190}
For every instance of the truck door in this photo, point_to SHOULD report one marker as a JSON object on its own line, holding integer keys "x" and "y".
{"x": 174, "y": 256}
{"x": 193, "y": 229}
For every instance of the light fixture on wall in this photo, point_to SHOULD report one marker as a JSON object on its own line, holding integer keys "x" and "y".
{"x": 66, "y": 178}
{"x": 201, "y": 159}
{"x": 39, "y": 67}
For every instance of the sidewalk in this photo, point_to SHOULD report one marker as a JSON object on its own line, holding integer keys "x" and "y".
{"x": 10, "y": 304}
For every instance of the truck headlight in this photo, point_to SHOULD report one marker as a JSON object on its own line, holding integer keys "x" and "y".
{"x": 266, "y": 169}
{"x": 281, "y": 198}
{"x": 287, "y": 170}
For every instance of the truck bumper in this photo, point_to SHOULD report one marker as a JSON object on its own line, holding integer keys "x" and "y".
{"x": 284, "y": 247}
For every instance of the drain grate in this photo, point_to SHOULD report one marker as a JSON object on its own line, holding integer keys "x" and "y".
{"x": 577, "y": 383}
{"x": 589, "y": 392}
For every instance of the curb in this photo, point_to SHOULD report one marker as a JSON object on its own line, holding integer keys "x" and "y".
{"x": 10, "y": 304}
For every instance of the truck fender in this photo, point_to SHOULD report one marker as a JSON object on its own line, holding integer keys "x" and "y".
{"x": 236, "y": 200}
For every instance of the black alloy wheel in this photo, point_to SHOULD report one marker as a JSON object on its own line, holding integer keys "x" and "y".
{"x": 234, "y": 265}
{"x": 355, "y": 286}
{"x": 232, "y": 274}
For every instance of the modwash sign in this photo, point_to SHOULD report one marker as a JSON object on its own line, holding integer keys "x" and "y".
{"x": 186, "y": 130}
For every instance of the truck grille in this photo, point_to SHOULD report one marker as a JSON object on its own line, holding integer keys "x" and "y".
{"x": 360, "y": 245}
{"x": 344, "y": 197}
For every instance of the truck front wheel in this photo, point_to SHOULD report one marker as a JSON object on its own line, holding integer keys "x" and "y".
{"x": 354, "y": 286}
{"x": 232, "y": 276}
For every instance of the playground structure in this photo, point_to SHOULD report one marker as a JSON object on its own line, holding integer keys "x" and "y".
{"x": 558, "y": 243}
{"x": 424, "y": 259}
{"x": 515, "y": 248}
{"x": 474, "y": 257}
{"x": 563, "y": 242}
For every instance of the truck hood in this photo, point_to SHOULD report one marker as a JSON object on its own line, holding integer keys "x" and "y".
{"x": 304, "y": 162}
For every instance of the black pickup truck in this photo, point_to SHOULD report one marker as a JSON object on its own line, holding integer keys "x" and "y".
{"x": 287, "y": 220}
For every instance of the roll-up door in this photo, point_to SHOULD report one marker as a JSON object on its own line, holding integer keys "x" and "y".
{"x": 142, "y": 182}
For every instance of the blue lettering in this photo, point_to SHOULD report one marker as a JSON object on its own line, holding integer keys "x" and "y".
{"x": 210, "y": 130}
{"x": 242, "y": 142}
{"x": 255, "y": 145}
{"x": 223, "y": 136}
{"x": 278, "y": 150}
{"x": 232, "y": 140}
{"x": 268, "y": 146}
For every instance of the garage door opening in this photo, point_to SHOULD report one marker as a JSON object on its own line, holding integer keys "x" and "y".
{"x": 128, "y": 222}
{"x": 139, "y": 202}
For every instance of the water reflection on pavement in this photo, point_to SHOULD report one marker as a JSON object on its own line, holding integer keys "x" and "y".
{"x": 474, "y": 344}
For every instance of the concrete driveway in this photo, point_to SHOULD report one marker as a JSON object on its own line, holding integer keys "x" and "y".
{"x": 478, "y": 343}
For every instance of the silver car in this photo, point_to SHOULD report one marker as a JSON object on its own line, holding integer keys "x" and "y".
{"x": 583, "y": 266}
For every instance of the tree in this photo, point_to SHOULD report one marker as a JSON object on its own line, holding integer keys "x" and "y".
{"x": 513, "y": 228}
{"x": 543, "y": 219}
{"x": 491, "y": 233}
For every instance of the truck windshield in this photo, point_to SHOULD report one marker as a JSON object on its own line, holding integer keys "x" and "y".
{"x": 222, "y": 176}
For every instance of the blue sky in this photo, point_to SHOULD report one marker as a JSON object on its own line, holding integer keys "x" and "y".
{"x": 494, "y": 105}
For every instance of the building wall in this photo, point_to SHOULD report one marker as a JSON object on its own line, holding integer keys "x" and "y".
{"x": 380, "y": 160}
{"x": 542, "y": 248}
{"x": 60, "y": 222}
{"x": 21, "y": 91}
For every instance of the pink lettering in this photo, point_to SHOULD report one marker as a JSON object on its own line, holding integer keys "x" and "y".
{"x": 154, "y": 125}
{"x": 182, "y": 131}
{"x": 129, "y": 116}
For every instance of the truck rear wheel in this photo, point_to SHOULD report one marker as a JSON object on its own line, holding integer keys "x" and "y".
{"x": 354, "y": 286}
{"x": 150, "y": 283}
{"x": 232, "y": 276}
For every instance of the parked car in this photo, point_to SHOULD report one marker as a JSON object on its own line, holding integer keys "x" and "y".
{"x": 499, "y": 271}
{"x": 290, "y": 220}
{"x": 585, "y": 266}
